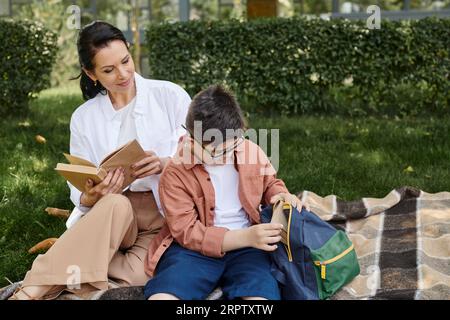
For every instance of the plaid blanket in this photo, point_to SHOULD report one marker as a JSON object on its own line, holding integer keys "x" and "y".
{"x": 402, "y": 242}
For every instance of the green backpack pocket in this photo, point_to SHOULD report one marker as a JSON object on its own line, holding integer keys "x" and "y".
{"x": 335, "y": 264}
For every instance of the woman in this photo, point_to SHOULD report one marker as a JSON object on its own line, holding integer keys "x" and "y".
{"x": 110, "y": 230}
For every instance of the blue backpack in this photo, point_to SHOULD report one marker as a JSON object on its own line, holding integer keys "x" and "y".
{"x": 315, "y": 260}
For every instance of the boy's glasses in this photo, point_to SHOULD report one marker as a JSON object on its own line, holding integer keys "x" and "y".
{"x": 217, "y": 152}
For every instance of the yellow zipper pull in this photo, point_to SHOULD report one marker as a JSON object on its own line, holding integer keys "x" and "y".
{"x": 323, "y": 272}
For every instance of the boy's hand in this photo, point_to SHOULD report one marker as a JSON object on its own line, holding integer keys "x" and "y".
{"x": 264, "y": 236}
{"x": 290, "y": 198}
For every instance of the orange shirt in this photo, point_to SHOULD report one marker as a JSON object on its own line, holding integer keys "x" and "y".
{"x": 188, "y": 200}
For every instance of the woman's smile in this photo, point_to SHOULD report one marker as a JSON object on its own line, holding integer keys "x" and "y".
{"x": 125, "y": 84}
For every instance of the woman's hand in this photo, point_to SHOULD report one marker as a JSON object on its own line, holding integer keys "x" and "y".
{"x": 148, "y": 166}
{"x": 290, "y": 198}
{"x": 111, "y": 184}
{"x": 264, "y": 236}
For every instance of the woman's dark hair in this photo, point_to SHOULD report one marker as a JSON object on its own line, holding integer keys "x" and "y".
{"x": 216, "y": 108}
{"x": 93, "y": 37}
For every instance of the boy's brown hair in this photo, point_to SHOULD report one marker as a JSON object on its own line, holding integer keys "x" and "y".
{"x": 216, "y": 108}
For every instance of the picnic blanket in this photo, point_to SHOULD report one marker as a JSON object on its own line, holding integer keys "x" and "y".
{"x": 402, "y": 242}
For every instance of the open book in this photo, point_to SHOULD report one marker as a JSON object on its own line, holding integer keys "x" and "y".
{"x": 80, "y": 170}
{"x": 280, "y": 214}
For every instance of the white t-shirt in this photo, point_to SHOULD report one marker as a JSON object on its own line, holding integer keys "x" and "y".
{"x": 127, "y": 133}
{"x": 228, "y": 208}
{"x": 127, "y": 130}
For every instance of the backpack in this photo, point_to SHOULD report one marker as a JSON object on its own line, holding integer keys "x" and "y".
{"x": 314, "y": 259}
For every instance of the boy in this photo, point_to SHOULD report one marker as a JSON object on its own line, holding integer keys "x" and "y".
{"x": 211, "y": 192}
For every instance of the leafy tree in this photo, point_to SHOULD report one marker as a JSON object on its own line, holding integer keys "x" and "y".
{"x": 163, "y": 10}
{"x": 52, "y": 13}
{"x": 204, "y": 10}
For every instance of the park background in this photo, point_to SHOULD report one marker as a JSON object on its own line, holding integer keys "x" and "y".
{"x": 360, "y": 111}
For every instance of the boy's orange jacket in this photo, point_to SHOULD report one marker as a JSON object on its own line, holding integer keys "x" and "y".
{"x": 187, "y": 198}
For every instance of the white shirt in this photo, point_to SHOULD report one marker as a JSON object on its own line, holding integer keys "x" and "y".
{"x": 128, "y": 133}
{"x": 160, "y": 110}
{"x": 127, "y": 130}
{"x": 228, "y": 208}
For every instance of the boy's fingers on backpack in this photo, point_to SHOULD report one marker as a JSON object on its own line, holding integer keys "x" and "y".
{"x": 295, "y": 202}
{"x": 273, "y": 233}
{"x": 274, "y": 239}
{"x": 269, "y": 247}
{"x": 275, "y": 198}
{"x": 270, "y": 240}
{"x": 272, "y": 226}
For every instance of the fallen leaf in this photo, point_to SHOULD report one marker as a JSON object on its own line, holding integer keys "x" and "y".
{"x": 409, "y": 169}
{"x": 58, "y": 212}
{"x": 40, "y": 139}
{"x": 43, "y": 245}
{"x": 24, "y": 124}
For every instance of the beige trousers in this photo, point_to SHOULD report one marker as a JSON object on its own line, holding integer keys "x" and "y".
{"x": 109, "y": 243}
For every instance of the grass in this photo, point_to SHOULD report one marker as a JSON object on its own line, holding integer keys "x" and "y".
{"x": 351, "y": 158}
{"x": 356, "y": 158}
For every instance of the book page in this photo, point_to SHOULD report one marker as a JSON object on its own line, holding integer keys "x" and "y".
{"x": 78, "y": 161}
{"x": 110, "y": 155}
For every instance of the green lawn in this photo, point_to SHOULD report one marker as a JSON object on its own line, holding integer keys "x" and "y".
{"x": 327, "y": 155}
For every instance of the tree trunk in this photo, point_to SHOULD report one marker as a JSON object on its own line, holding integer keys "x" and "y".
{"x": 135, "y": 13}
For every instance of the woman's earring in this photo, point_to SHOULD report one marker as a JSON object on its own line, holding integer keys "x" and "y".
{"x": 95, "y": 83}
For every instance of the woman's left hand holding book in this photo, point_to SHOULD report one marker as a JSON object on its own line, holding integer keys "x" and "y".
{"x": 111, "y": 184}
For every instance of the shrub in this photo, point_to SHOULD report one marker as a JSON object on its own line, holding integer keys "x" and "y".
{"x": 27, "y": 55}
{"x": 311, "y": 66}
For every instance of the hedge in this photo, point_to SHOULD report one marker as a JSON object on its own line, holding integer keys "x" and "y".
{"x": 301, "y": 66}
{"x": 27, "y": 56}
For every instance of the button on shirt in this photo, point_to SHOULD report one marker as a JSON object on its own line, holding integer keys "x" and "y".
{"x": 159, "y": 111}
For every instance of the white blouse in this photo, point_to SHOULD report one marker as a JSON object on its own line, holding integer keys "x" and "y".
{"x": 159, "y": 111}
